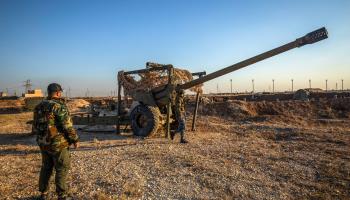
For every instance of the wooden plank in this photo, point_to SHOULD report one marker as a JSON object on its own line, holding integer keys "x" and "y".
{"x": 106, "y": 120}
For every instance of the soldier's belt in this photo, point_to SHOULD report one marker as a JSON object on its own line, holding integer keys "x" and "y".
{"x": 49, "y": 147}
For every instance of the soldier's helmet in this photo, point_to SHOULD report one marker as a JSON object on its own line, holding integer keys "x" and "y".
{"x": 54, "y": 87}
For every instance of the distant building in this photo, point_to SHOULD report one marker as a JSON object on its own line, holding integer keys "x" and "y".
{"x": 33, "y": 93}
{"x": 3, "y": 94}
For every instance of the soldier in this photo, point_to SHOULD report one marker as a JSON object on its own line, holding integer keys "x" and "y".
{"x": 180, "y": 115}
{"x": 55, "y": 133}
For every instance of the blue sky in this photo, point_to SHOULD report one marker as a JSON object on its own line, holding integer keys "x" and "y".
{"x": 82, "y": 44}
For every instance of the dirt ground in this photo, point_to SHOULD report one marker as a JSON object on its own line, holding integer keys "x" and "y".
{"x": 241, "y": 150}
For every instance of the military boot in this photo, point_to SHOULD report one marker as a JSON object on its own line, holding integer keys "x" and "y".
{"x": 182, "y": 138}
{"x": 44, "y": 196}
{"x": 65, "y": 198}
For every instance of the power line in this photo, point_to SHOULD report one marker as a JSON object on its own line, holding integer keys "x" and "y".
{"x": 28, "y": 85}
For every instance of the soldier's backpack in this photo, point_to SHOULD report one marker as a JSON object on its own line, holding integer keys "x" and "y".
{"x": 44, "y": 123}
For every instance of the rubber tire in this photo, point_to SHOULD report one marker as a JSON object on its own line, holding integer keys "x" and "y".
{"x": 150, "y": 114}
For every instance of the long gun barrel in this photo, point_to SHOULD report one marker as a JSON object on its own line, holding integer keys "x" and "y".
{"x": 309, "y": 38}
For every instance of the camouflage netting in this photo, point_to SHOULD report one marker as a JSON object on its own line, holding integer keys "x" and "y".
{"x": 153, "y": 79}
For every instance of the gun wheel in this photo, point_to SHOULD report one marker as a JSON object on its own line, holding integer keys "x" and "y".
{"x": 144, "y": 120}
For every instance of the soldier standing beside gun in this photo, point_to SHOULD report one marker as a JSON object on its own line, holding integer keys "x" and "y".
{"x": 55, "y": 133}
{"x": 180, "y": 115}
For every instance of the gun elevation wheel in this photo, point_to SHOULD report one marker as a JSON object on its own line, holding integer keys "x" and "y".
{"x": 144, "y": 120}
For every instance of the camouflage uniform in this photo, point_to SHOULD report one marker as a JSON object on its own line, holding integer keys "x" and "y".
{"x": 180, "y": 115}
{"x": 54, "y": 129}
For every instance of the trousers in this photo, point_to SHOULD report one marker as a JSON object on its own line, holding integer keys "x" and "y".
{"x": 60, "y": 161}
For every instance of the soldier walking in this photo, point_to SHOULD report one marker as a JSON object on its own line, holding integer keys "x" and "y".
{"x": 55, "y": 133}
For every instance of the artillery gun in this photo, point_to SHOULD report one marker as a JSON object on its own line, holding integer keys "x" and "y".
{"x": 153, "y": 97}
{"x": 153, "y": 108}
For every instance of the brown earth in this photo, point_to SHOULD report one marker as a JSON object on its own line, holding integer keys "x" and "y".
{"x": 11, "y": 106}
{"x": 256, "y": 150}
{"x": 283, "y": 111}
{"x": 78, "y": 105}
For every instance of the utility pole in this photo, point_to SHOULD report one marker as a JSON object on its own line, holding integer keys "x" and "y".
{"x": 309, "y": 83}
{"x": 253, "y": 86}
{"x": 326, "y": 85}
{"x": 69, "y": 92}
{"x": 273, "y": 85}
{"x": 27, "y": 85}
{"x": 292, "y": 84}
{"x": 231, "y": 85}
{"x": 217, "y": 88}
{"x": 342, "y": 85}
{"x": 336, "y": 85}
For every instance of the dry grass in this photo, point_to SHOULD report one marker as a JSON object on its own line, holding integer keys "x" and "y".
{"x": 225, "y": 159}
{"x": 153, "y": 79}
{"x": 15, "y": 123}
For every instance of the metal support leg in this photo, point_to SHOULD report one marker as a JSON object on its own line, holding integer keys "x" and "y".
{"x": 119, "y": 107}
{"x": 168, "y": 134}
{"x": 195, "y": 113}
{"x": 170, "y": 81}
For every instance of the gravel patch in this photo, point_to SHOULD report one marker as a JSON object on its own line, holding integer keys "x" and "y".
{"x": 224, "y": 160}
